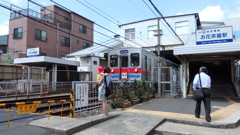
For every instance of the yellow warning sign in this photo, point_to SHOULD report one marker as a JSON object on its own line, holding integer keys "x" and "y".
{"x": 27, "y": 108}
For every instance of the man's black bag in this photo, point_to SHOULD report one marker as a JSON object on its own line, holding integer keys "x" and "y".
{"x": 198, "y": 94}
{"x": 108, "y": 91}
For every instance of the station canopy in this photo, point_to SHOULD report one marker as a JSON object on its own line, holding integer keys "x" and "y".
{"x": 45, "y": 61}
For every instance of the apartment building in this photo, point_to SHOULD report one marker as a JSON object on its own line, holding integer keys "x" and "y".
{"x": 54, "y": 31}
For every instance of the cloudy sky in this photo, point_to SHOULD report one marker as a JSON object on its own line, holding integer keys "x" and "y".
{"x": 110, "y": 13}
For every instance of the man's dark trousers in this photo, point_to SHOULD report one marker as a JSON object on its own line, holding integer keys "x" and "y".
{"x": 207, "y": 104}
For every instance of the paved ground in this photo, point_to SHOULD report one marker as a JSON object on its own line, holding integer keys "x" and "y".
{"x": 157, "y": 116}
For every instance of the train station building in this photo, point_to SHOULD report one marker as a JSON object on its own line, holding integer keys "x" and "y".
{"x": 199, "y": 43}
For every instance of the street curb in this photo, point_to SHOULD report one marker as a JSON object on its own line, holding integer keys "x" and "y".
{"x": 204, "y": 123}
{"x": 85, "y": 126}
{"x": 66, "y": 126}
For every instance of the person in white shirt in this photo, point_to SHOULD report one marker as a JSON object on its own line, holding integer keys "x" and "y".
{"x": 205, "y": 85}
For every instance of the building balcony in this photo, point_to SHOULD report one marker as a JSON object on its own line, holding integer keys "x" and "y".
{"x": 38, "y": 17}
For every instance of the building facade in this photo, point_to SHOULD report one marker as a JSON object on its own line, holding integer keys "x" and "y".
{"x": 55, "y": 31}
{"x": 211, "y": 44}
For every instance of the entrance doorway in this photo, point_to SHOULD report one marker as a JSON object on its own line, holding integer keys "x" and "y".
{"x": 220, "y": 72}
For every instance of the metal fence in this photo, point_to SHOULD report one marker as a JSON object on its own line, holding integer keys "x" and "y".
{"x": 86, "y": 94}
{"x": 27, "y": 89}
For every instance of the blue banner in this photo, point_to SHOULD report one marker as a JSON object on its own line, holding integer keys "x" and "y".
{"x": 214, "y": 41}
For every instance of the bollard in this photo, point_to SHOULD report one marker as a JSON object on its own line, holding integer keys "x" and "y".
{"x": 9, "y": 114}
{"x": 72, "y": 108}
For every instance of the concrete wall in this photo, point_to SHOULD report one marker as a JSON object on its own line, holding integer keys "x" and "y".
{"x": 167, "y": 38}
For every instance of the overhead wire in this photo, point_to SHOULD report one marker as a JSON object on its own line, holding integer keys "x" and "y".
{"x": 103, "y": 27}
{"x": 26, "y": 31}
{"x": 158, "y": 17}
{"x": 105, "y": 17}
{"x": 166, "y": 21}
{"x": 49, "y": 25}
{"x": 138, "y": 8}
{"x": 70, "y": 19}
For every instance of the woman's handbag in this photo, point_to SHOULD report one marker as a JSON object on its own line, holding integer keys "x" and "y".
{"x": 198, "y": 94}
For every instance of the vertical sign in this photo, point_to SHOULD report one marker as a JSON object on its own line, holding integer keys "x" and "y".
{"x": 81, "y": 95}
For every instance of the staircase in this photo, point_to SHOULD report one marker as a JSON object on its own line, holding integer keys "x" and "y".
{"x": 222, "y": 89}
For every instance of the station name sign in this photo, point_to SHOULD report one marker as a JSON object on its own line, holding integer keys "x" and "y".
{"x": 214, "y": 36}
{"x": 33, "y": 52}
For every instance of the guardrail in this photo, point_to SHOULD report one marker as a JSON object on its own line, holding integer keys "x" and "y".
{"x": 32, "y": 88}
{"x": 33, "y": 106}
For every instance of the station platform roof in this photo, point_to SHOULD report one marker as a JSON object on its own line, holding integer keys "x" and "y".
{"x": 44, "y": 61}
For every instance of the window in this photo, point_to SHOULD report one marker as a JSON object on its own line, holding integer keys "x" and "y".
{"x": 182, "y": 28}
{"x": 135, "y": 59}
{"x": 149, "y": 65}
{"x": 94, "y": 62}
{"x": 77, "y": 41}
{"x": 83, "y": 29}
{"x": 124, "y": 61}
{"x": 86, "y": 45}
{"x": 47, "y": 17}
{"x": 41, "y": 35}
{"x": 130, "y": 33}
{"x": 113, "y": 60}
{"x": 151, "y": 30}
{"x": 65, "y": 18}
{"x": 17, "y": 33}
{"x": 65, "y": 41}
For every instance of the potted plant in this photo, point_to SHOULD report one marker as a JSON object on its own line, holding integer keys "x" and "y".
{"x": 134, "y": 98}
{"x": 124, "y": 103}
{"x": 145, "y": 97}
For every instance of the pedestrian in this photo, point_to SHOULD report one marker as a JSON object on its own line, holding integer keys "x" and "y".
{"x": 101, "y": 97}
{"x": 203, "y": 81}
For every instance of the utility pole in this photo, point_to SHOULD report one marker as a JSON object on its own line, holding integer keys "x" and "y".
{"x": 159, "y": 58}
{"x": 158, "y": 51}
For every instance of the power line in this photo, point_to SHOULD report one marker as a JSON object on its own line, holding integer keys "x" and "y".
{"x": 101, "y": 11}
{"x": 102, "y": 26}
{"x": 138, "y": 8}
{"x": 6, "y": 7}
{"x": 96, "y": 12}
{"x": 70, "y": 19}
{"x": 165, "y": 21}
{"x": 109, "y": 16}
{"x": 150, "y": 8}
{"x": 160, "y": 20}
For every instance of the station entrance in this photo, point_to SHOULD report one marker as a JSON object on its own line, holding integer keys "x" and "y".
{"x": 221, "y": 73}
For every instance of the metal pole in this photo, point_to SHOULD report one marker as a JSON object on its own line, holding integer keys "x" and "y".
{"x": 57, "y": 39}
{"x": 158, "y": 51}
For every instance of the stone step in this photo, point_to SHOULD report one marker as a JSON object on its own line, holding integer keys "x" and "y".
{"x": 171, "y": 128}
